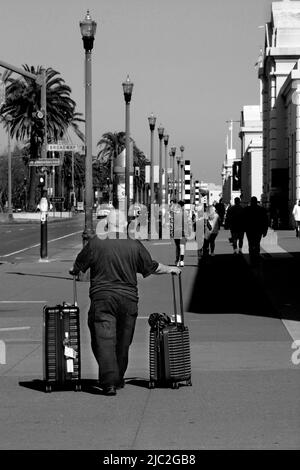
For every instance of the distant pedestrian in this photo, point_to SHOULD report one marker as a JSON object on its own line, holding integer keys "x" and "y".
{"x": 211, "y": 230}
{"x": 181, "y": 226}
{"x": 256, "y": 226}
{"x": 296, "y": 214}
{"x": 220, "y": 208}
{"x": 114, "y": 262}
{"x": 235, "y": 222}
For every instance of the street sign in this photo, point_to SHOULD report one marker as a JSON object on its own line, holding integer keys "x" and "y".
{"x": 45, "y": 162}
{"x": 57, "y": 199}
{"x": 64, "y": 148}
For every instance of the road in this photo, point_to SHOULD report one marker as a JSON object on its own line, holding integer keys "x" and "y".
{"x": 20, "y": 239}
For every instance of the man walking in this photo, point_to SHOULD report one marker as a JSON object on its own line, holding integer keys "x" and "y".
{"x": 114, "y": 261}
{"x": 256, "y": 226}
{"x": 236, "y": 224}
{"x": 296, "y": 214}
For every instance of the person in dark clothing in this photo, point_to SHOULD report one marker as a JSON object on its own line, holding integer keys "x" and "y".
{"x": 236, "y": 224}
{"x": 256, "y": 227}
{"x": 220, "y": 208}
{"x": 114, "y": 261}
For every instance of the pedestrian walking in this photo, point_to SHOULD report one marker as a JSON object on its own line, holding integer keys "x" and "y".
{"x": 296, "y": 215}
{"x": 236, "y": 224}
{"x": 181, "y": 225}
{"x": 211, "y": 230}
{"x": 220, "y": 209}
{"x": 256, "y": 227}
{"x": 114, "y": 261}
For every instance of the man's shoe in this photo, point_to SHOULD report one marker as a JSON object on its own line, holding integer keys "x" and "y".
{"x": 181, "y": 263}
{"x": 110, "y": 390}
{"x": 121, "y": 384}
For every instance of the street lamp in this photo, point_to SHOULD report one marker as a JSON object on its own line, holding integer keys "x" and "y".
{"x": 8, "y": 119}
{"x": 152, "y": 121}
{"x": 88, "y": 30}
{"x": 178, "y": 177}
{"x": 172, "y": 154}
{"x": 182, "y": 180}
{"x": 166, "y": 140}
{"x": 160, "y": 131}
{"x": 127, "y": 90}
{"x": 182, "y": 172}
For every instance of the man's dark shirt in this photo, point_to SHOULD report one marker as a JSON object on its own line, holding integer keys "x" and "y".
{"x": 235, "y": 219}
{"x": 114, "y": 264}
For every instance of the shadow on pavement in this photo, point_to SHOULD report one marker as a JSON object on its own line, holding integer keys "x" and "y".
{"x": 38, "y": 385}
{"x": 41, "y": 275}
{"x": 228, "y": 284}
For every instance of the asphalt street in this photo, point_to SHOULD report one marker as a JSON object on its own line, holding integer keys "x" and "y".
{"x": 242, "y": 319}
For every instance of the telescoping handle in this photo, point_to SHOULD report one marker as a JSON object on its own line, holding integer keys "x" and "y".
{"x": 179, "y": 315}
{"x": 75, "y": 291}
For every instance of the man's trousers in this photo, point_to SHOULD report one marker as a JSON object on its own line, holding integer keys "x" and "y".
{"x": 111, "y": 321}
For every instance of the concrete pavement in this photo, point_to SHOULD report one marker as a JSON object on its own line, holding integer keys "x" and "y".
{"x": 245, "y": 391}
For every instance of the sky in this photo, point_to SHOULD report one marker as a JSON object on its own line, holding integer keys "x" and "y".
{"x": 192, "y": 63}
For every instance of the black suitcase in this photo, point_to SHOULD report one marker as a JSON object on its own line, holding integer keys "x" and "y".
{"x": 169, "y": 349}
{"x": 61, "y": 345}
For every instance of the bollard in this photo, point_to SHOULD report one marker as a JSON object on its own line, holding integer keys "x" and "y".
{"x": 44, "y": 235}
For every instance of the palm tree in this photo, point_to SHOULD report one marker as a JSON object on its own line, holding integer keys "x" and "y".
{"x": 112, "y": 144}
{"x": 22, "y": 102}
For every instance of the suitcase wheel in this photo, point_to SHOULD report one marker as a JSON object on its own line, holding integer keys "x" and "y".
{"x": 48, "y": 388}
{"x": 189, "y": 383}
{"x": 151, "y": 385}
{"x": 175, "y": 385}
{"x": 78, "y": 388}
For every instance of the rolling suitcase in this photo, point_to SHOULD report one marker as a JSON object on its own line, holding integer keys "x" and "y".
{"x": 61, "y": 345}
{"x": 169, "y": 349}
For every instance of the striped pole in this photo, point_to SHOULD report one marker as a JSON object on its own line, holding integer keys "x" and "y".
{"x": 197, "y": 193}
{"x": 187, "y": 184}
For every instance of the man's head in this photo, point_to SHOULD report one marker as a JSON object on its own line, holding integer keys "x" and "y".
{"x": 116, "y": 221}
{"x": 237, "y": 201}
{"x": 253, "y": 201}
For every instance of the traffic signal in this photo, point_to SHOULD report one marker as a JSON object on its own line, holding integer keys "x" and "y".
{"x": 42, "y": 181}
{"x": 38, "y": 118}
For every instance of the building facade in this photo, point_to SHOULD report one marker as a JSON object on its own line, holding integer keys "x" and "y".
{"x": 251, "y": 154}
{"x": 279, "y": 73}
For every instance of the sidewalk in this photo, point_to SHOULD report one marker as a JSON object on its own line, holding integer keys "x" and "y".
{"x": 245, "y": 391}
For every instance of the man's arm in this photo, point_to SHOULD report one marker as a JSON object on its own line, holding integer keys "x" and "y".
{"x": 163, "y": 269}
{"x": 82, "y": 262}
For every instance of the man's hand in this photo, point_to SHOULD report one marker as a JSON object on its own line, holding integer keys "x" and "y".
{"x": 174, "y": 270}
{"x": 71, "y": 271}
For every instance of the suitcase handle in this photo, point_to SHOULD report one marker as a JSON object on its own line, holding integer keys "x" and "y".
{"x": 180, "y": 298}
{"x": 75, "y": 291}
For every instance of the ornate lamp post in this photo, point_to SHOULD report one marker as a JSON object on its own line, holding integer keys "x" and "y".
{"x": 172, "y": 154}
{"x": 127, "y": 90}
{"x": 166, "y": 140}
{"x": 8, "y": 119}
{"x": 88, "y": 30}
{"x": 182, "y": 179}
{"x": 182, "y": 171}
{"x": 152, "y": 121}
{"x": 160, "y": 136}
{"x": 178, "y": 178}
